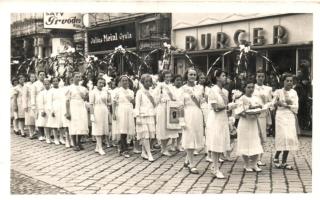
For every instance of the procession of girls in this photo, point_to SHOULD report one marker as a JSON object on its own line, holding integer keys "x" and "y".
{"x": 112, "y": 113}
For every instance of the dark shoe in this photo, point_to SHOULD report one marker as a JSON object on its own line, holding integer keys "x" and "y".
{"x": 81, "y": 147}
{"x": 286, "y": 166}
{"x": 276, "y": 163}
{"x": 33, "y": 137}
{"x": 186, "y": 164}
{"x": 156, "y": 146}
{"x": 76, "y": 148}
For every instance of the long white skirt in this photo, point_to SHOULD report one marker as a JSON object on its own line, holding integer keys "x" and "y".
{"x": 125, "y": 120}
{"x": 249, "y": 142}
{"x": 217, "y": 132}
{"x": 79, "y": 118}
{"x": 192, "y": 134}
{"x": 286, "y": 138}
{"x": 101, "y": 124}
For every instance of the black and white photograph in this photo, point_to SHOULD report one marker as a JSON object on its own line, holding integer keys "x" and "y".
{"x": 119, "y": 103}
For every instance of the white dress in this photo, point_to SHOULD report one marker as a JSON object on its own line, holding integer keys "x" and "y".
{"x": 36, "y": 88}
{"x": 249, "y": 142}
{"x": 217, "y": 129}
{"x": 65, "y": 121}
{"x": 177, "y": 93}
{"x": 286, "y": 138}
{"x": 124, "y": 112}
{"x": 204, "y": 102}
{"x": 192, "y": 133}
{"x": 79, "y": 115}
{"x": 264, "y": 95}
{"x": 29, "y": 115}
{"x": 145, "y": 114}
{"x": 162, "y": 96}
{"x": 113, "y": 122}
{"x": 99, "y": 100}
{"x": 55, "y": 99}
{"x": 42, "y": 106}
{"x": 18, "y": 91}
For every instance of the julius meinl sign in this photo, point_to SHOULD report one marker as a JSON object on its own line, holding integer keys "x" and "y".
{"x": 62, "y": 20}
{"x": 108, "y": 38}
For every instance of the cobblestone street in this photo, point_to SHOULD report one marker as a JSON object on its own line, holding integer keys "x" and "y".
{"x": 40, "y": 168}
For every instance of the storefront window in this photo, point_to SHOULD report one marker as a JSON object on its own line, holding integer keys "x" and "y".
{"x": 305, "y": 62}
{"x": 284, "y": 60}
{"x": 200, "y": 62}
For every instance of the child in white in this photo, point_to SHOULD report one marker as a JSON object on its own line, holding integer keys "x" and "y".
{"x": 249, "y": 134}
{"x": 99, "y": 113}
{"x": 287, "y": 128}
{"x": 123, "y": 114}
{"x": 145, "y": 116}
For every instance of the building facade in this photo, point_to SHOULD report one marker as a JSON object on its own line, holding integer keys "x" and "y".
{"x": 286, "y": 39}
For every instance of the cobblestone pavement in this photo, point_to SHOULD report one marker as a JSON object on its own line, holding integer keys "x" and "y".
{"x": 22, "y": 184}
{"x": 86, "y": 172}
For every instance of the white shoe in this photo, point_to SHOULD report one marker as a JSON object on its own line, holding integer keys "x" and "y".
{"x": 196, "y": 153}
{"x": 257, "y": 169}
{"x": 150, "y": 159}
{"x": 62, "y": 141}
{"x": 41, "y": 138}
{"x": 209, "y": 159}
{"x": 247, "y": 169}
{"x": 221, "y": 160}
{"x": 96, "y": 150}
{"x": 48, "y": 141}
{"x": 101, "y": 152}
{"x": 57, "y": 142}
{"x": 219, "y": 175}
{"x": 259, "y": 163}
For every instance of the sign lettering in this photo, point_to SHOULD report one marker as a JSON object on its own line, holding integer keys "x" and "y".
{"x": 63, "y": 20}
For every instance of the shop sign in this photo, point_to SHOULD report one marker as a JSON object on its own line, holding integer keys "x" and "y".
{"x": 62, "y": 20}
{"x": 110, "y": 37}
{"x": 280, "y": 36}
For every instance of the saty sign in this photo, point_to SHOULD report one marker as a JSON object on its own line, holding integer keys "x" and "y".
{"x": 62, "y": 20}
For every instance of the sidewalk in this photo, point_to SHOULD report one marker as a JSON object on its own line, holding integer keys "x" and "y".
{"x": 86, "y": 172}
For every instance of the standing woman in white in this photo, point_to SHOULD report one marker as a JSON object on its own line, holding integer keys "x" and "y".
{"x": 18, "y": 104}
{"x": 145, "y": 116}
{"x": 44, "y": 110}
{"x": 99, "y": 113}
{"x": 55, "y": 116}
{"x": 192, "y": 127}
{"x": 36, "y": 88}
{"x": 286, "y": 138}
{"x": 123, "y": 114}
{"x": 264, "y": 96}
{"x": 77, "y": 112}
{"x": 29, "y": 115}
{"x": 163, "y": 94}
{"x": 249, "y": 134}
{"x": 217, "y": 129}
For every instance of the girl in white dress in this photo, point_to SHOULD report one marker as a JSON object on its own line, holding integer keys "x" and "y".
{"x": 99, "y": 113}
{"x": 164, "y": 94}
{"x": 29, "y": 115}
{"x": 55, "y": 115}
{"x": 77, "y": 112}
{"x": 18, "y": 105}
{"x": 36, "y": 88}
{"x": 192, "y": 125}
{"x": 201, "y": 84}
{"x": 286, "y": 138}
{"x": 177, "y": 82}
{"x": 217, "y": 129}
{"x": 249, "y": 134}
{"x": 123, "y": 114}
{"x": 65, "y": 122}
{"x": 44, "y": 110}
{"x": 115, "y": 138}
{"x": 145, "y": 116}
{"x": 264, "y": 95}
{"x": 15, "y": 82}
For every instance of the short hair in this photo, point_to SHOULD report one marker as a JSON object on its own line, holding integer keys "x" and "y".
{"x": 260, "y": 71}
{"x": 185, "y": 76}
{"x": 21, "y": 76}
{"x": 286, "y": 75}
{"x": 144, "y": 77}
{"x": 216, "y": 73}
{"x": 163, "y": 74}
{"x": 175, "y": 77}
{"x": 247, "y": 82}
{"x": 41, "y": 71}
{"x": 55, "y": 77}
{"x": 200, "y": 73}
